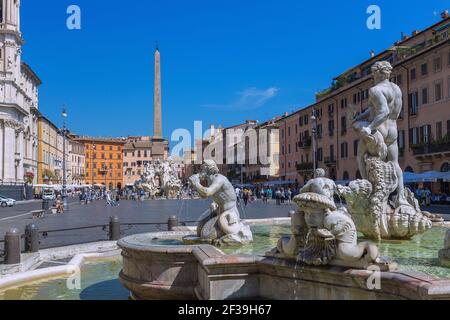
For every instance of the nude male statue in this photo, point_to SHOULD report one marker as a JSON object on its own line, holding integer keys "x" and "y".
{"x": 385, "y": 100}
{"x": 224, "y": 219}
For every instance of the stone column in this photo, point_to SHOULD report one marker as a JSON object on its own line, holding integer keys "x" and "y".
{"x": 20, "y": 151}
{"x": 2, "y": 155}
{"x": 9, "y": 151}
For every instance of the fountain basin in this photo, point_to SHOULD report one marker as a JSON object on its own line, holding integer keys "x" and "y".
{"x": 159, "y": 266}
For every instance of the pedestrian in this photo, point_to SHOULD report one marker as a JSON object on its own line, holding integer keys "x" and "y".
{"x": 238, "y": 193}
{"x": 246, "y": 195}
{"x": 278, "y": 196}
{"x": 289, "y": 195}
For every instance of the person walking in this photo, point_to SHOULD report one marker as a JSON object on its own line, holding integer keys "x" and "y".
{"x": 246, "y": 196}
{"x": 289, "y": 196}
{"x": 278, "y": 196}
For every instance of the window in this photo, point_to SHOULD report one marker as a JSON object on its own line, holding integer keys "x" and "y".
{"x": 399, "y": 79}
{"x": 413, "y": 136}
{"x": 424, "y": 95}
{"x": 319, "y": 154}
{"x": 332, "y": 152}
{"x": 331, "y": 127}
{"x": 425, "y": 133}
{"x": 300, "y": 121}
{"x": 344, "y": 150}
{"x": 330, "y": 108}
{"x": 439, "y": 130}
{"x": 437, "y": 63}
{"x": 413, "y": 74}
{"x": 413, "y": 102}
{"x": 343, "y": 124}
{"x": 344, "y": 101}
{"x": 401, "y": 139}
{"x": 319, "y": 131}
{"x": 289, "y": 134}
{"x": 306, "y": 119}
{"x": 355, "y": 147}
{"x": 424, "y": 69}
{"x": 438, "y": 91}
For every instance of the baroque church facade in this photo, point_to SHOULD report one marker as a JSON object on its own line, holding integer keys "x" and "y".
{"x": 18, "y": 106}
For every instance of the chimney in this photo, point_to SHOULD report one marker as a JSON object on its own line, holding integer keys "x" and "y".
{"x": 372, "y": 53}
{"x": 219, "y": 130}
{"x": 415, "y": 33}
{"x": 444, "y": 14}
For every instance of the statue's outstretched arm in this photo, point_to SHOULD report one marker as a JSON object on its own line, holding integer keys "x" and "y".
{"x": 363, "y": 115}
{"x": 382, "y": 114}
{"x": 206, "y": 192}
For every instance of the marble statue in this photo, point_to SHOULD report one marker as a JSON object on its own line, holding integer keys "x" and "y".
{"x": 380, "y": 205}
{"x": 323, "y": 233}
{"x": 222, "y": 225}
{"x": 444, "y": 254}
{"x": 170, "y": 182}
{"x": 160, "y": 177}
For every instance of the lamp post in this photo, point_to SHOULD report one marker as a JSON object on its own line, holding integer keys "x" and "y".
{"x": 64, "y": 187}
{"x": 93, "y": 164}
{"x": 314, "y": 141}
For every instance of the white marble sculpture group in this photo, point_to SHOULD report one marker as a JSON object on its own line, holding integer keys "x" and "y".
{"x": 160, "y": 177}
{"x": 379, "y": 206}
{"x": 222, "y": 226}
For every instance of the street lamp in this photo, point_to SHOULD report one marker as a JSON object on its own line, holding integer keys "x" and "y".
{"x": 314, "y": 141}
{"x": 64, "y": 187}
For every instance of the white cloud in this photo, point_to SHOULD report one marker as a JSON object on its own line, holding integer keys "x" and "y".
{"x": 250, "y": 98}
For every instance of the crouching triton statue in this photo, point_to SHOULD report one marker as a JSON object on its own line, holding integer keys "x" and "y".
{"x": 325, "y": 234}
{"x": 222, "y": 226}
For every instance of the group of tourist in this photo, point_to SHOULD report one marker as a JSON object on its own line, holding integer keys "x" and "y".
{"x": 280, "y": 195}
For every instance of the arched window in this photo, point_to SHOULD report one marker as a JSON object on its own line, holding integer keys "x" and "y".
{"x": 409, "y": 169}
{"x": 358, "y": 175}
{"x": 445, "y": 167}
{"x": 345, "y": 176}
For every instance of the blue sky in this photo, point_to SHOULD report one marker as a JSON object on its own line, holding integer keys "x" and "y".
{"x": 222, "y": 61}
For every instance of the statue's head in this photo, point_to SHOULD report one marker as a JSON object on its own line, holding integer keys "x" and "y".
{"x": 381, "y": 70}
{"x": 319, "y": 173}
{"x": 209, "y": 167}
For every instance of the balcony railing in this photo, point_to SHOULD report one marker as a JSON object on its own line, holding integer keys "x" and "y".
{"x": 305, "y": 166}
{"x": 431, "y": 148}
{"x": 305, "y": 143}
{"x": 330, "y": 161}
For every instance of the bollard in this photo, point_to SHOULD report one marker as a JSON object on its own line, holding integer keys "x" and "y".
{"x": 172, "y": 222}
{"x": 31, "y": 238}
{"x": 291, "y": 213}
{"x": 12, "y": 246}
{"x": 114, "y": 228}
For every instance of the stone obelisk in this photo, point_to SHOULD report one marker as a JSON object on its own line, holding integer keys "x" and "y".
{"x": 157, "y": 117}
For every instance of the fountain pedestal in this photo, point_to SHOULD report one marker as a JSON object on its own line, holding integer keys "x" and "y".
{"x": 444, "y": 254}
{"x": 157, "y": 271}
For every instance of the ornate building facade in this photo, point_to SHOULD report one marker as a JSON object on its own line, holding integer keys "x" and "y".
{"x": 18, "y": 106}
{"x": 103, "y": 161}
{"x": 421, "y": 64}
